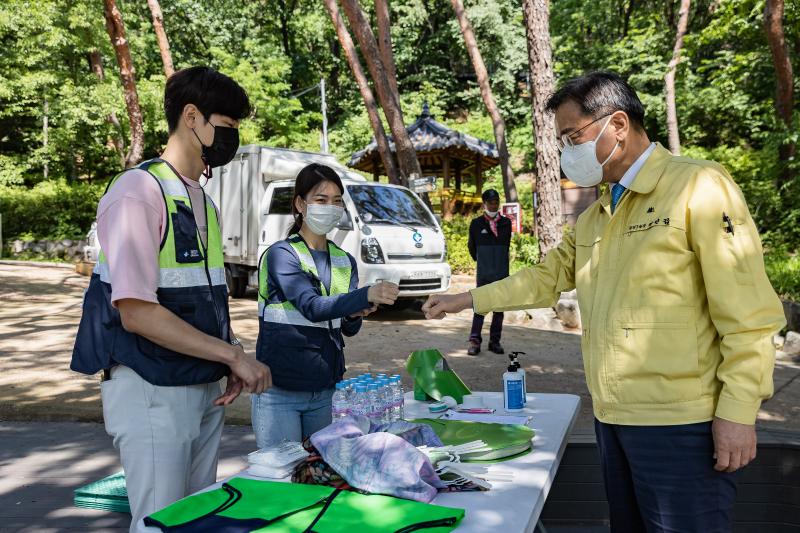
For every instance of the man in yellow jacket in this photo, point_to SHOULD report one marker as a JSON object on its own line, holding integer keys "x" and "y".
{"x": 678, "y": 313}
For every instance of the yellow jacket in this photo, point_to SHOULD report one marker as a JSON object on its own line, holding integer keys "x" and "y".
{"x": 677, "y": 310}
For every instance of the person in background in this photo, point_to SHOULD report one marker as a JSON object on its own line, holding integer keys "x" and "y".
{"x": 489, "y": 244}
{"x": 308, "y": 302}
{"x": 155, "y": 316}
{"x": 678, "y": 312}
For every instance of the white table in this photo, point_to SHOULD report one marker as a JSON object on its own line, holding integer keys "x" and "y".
{"x": 515, "y": 506}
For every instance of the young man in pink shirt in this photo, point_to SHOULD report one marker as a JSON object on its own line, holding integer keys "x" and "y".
{"x": 155, "y": 317}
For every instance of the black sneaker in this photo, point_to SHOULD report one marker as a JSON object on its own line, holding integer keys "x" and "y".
{"x": 474, "y": 348}
{"x": 496, "y": 347}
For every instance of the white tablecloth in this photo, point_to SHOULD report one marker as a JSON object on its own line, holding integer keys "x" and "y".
{"x": 515, "y": 506}
{"x": 511, "y": 507}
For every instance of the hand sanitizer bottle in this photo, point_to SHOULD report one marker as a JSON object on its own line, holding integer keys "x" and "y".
{"x": 514, "y": 356}
{"x": 512, "y": 390}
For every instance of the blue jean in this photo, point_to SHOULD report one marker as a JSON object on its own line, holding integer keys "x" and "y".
{"x": 662, "y": 479}
{"x": 281, "y": 414}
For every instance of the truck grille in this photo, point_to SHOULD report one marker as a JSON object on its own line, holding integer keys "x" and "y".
{"x": 420, "y": 284}
{"x": 414, "y": 257}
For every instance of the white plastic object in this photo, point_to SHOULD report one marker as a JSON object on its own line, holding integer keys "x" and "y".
{"x": 449, "y": 401}
{"x": 278, "y": 455}
{"x": 472, "y": 401}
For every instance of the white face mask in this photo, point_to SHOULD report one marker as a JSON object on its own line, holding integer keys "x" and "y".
{"x": 579, "y": 162}
{"x": 322, "y": 218}
{"x": 490, "y": 214}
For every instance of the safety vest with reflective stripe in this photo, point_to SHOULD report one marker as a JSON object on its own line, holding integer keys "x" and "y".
{"x": 290, "y": 343}
{"x": 191, "y": 284}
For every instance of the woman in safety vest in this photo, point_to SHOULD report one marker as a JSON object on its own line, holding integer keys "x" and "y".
{"x": 307, "y": 300}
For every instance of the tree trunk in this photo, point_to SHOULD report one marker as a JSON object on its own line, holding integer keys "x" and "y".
{"x": 498, "y": 123}
{"x": 161, "y": 37}
{"x": 548, "y": 176}
{"x": 784, "y": 90}
{"x": 383, "y": 19}
{"x": 118, "y": 140}
{"x": 390, "y": 101}
{"x": 669, "y": 79}
{"x": 366, "y": 93}
{"x": 116, "y": 31}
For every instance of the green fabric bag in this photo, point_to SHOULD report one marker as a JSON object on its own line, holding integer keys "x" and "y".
{"x": 505, "y": 440}
{"x": 433, "y": 378}
{"x": 254, "y": 505}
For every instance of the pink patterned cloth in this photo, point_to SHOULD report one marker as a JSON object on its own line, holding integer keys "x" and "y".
{"x": 381, "y": 459}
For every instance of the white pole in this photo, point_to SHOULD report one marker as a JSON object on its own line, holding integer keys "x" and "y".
{"x": 324, "y": 116}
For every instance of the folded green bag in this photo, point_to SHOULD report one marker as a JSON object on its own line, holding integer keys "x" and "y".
{"x": 243, "y": 505}
{"x": 433, "y": 378}
{"x": 505, "y": 440}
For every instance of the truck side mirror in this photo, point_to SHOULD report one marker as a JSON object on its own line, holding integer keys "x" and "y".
{"x": 345, "y": 223}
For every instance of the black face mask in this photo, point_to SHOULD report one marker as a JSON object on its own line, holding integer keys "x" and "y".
{"x": 222, "y": 149}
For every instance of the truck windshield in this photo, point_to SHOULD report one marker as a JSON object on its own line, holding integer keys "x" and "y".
{"x": 378, "y": 204}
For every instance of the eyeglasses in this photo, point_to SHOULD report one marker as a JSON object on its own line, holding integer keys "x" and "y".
{"x": 566, "y": 139}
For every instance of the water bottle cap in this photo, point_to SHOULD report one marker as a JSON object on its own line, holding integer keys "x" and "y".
{"x": 397, "y": 376}
{"x": 395, "y": 379}
{"x": 381, "y": 375}
{"x": 373, "y": 386}
{"x": 341, "y": 385}
{"x": 361, "y": 388}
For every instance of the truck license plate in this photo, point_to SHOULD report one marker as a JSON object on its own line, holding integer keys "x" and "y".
{"x": 423, "y": 275}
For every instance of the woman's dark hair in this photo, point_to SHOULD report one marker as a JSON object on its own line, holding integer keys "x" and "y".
{"x": 209, "y": 90}
{"x": 307, "y": 180}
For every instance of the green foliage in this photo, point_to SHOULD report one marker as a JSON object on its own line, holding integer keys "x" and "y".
{"x": 51, "y": 210}
{"x": 277, "y": 49}
{"x": 456, "y": 234}
{"x": 784, "y": 272}
{"x": 524, "y": 247}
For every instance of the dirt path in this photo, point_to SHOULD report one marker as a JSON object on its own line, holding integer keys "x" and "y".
{"x": 41, "y": 308}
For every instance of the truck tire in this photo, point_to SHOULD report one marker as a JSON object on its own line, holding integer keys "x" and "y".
{"x": 237, "y": 285}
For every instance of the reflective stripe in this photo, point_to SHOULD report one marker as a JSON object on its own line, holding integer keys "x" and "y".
{"x": 173, "y": 187}
{"x": 340, "y": 261}
{"x": 190, "y": 277}
{"x": 307, "y": 261}
{"x": 280, "y": 315}
{"x": 173, "y": 277}
{"x": 101, "y": 269}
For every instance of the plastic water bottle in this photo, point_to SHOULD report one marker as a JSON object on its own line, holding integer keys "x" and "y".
{"x": 385, "y": 395}
{"x": 339, "y": 408}
{"x": 349, "y": 394}
{"x": 359, "y": 404}
{"x": 398, "y": 400}
{"x": 373, "y": 403}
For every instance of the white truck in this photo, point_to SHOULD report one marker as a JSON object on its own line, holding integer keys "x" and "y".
{"x": 387, "y": 228}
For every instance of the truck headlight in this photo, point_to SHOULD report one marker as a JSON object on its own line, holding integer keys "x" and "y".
{"x": 371, "y": 251}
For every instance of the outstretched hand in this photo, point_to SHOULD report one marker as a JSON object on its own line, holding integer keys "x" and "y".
{"x": 438, "y": 305}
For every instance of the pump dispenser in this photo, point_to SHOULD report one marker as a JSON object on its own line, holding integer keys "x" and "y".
{"x": 513, "y": 395}
{"x": 514, "y": 357}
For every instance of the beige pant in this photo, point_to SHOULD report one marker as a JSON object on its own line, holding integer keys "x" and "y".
{"x": 167, "y": 437}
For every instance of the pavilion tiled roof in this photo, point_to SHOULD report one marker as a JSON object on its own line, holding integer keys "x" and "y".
{"x": 428, "y": 135}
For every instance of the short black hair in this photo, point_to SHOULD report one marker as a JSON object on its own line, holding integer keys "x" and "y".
{"x": 209, "y": 90}
{"x": 489, "y": 195}
{"x": 599, "y": 93}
